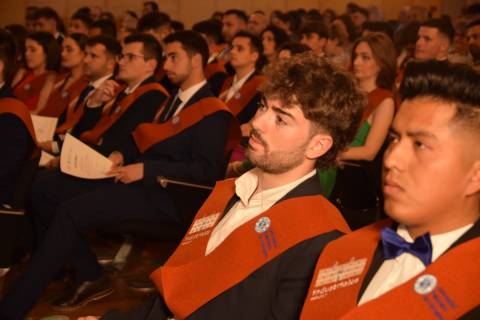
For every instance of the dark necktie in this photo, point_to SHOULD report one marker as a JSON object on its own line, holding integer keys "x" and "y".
{"x": 394, "y": 245}
{"x": 170, "y": 109}
{"x": 83, "y": 95}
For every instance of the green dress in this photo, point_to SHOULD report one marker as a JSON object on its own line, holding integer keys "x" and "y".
{"x": 329, "y": 176}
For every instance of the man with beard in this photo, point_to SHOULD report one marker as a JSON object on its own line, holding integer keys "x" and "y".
{"x": 473, "y": 38}
{"x": 250, "y": 250}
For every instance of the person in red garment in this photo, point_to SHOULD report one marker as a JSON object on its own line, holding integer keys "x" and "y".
{"x": 422, "y": 263}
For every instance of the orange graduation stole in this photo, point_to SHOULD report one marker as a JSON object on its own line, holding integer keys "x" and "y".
{"x": 149, "y": 134}
{"x": 187, "y": 282}
{"x": 18, "y": 108}
{"x": 246, "y": 93}
{"x": 108, "y": 118}
{"x": 28, "y": 89}
{"x": 446, "y": 289}
{"x": 374, "y": 99}
{"x": 61, "y": 98}
{"x": 214, "y": 68}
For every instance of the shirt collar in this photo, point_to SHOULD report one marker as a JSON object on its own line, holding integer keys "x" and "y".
{"x": 440, "y": 242}
{"x": 184, "y": 96}
{"x": 239, "y": 82}
{"x": 97, "y": 83}
{"x": 130, "y": 89}
{"x": 2, "y": 85}
{"x": 247, "y": 183}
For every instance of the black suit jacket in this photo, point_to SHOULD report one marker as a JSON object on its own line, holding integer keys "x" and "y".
{"x": 378, "y": 260}
{"x": 16, "y": 145}
{"x": 251, "y": 108}
{"x": 195, "y": 154}
{"x": 274, "y": 291}
{"x": 143, "y": 109}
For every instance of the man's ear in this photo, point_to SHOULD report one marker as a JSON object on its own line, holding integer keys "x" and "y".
{"x": 197, "y": 60}
{"x": 152, "y": 65}
{"x": 319, "y": 144}
{"x": 473, "y": 184}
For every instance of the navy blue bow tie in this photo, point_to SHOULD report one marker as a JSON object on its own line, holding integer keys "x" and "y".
{"x": 394, "y": 245}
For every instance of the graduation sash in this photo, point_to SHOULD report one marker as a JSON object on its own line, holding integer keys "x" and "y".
{"x": 246, "y": 93}
{"x": 214, "y": 68}
{"x": 18, "y": 108}
{"x": 187, "y": 282}
{"x": 61, "y": 98}
{"x": 28, "y": 89}
{"x": 109, "y": 118}
{"x": 374, "y": 99}
{"x": 446, "y": 289}
{"x": 149, "y": 134}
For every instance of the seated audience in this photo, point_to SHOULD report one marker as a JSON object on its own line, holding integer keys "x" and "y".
{"x": 262, "y": 229}
{"x": 422, "y": 262}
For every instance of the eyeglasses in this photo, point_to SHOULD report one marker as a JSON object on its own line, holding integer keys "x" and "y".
{"x": 129, "y": 56}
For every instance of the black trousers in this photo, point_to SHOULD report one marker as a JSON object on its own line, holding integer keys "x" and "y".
{"x": 63, "y": 207}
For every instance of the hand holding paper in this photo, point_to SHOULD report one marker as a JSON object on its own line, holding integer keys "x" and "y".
{"x": 79, "y": 160}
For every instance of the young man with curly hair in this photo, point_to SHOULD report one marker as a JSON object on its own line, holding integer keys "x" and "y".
{"x": 250, "y": 251}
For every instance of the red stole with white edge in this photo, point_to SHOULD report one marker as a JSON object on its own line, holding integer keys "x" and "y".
{"x": 246, "y": 93}
{"x": 446, "y": 289}
{"x": 109, "y": 118}
{"x": 148, "y": 134}
{"x": 61, "y": 98}
{"x": 187, "y": 282}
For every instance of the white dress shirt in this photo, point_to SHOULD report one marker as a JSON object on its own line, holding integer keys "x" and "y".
{"x": 187, "y": 95}
{"x": 394, "y": 272}
{"x": 237, "y": 84}
{"x": 251, "y": 204}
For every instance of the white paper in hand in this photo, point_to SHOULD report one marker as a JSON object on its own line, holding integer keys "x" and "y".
{"x": 79, "y": 160}
{"x": 44, "y": 127}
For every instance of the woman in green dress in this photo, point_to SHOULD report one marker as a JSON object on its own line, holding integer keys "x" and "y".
{"x": 374, "y": 67}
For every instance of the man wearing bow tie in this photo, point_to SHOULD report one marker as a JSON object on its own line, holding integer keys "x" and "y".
{"x": 423, "y": 262}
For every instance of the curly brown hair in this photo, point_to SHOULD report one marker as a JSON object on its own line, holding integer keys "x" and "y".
{"x": 326, "y": 94}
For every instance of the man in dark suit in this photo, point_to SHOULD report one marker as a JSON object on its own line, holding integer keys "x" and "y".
{"x": 16, "y": 142}
{"x": 250, "y": 251}
{"x": 192, "y": 153}
{"x": 423, "y": 262}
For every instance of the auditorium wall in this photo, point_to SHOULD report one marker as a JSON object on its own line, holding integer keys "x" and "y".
{"x": 190, "y": 11}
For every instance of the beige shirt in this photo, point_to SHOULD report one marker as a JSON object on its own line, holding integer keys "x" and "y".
{"x": 237, "y": 84}
{"x": 249, "y": 206}
{"x": 394, "y": 272}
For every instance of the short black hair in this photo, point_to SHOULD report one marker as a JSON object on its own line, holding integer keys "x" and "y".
{"x": 19, "y": 34}
{"x": 50, "y": 47}
{"x": 360, "y": 10}
{"x": 106, "y": 26}
{"x": 7, "y": 54}
{"x": 379, "y": 26}
{"x": 153, "y": 20}
{"x": 450, "y": 82}
{"x": 192, "y": 42}
{"x": 443, "y": 25}
{"x": 211, "y": 28}
{"x": 316, "y": 27}
{"x": 152, "y": 4}
{"x": 46, "y": 12}
{"x": 151, "y": 47}
{"x": 177, "y": 25}
{"x": 83, "y": 10}
{"x": 474, "y": 23}
{"x": 294, "y": 47}
{"x": 255, "y": 45}
{"x": 239, "y": 13}
{"x": 111, "y": 44}
{"x": 80, "y": 39}
{"x": 86, "y": 19}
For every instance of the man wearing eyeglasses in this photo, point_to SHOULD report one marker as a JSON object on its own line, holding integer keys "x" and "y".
{"x": 54, "y": 194}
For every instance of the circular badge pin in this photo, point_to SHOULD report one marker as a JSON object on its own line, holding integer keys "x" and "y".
{"x": 237, "y": 95}
{"x": 64, "y": 94}
{"x": 27, "y": 87}
{"x": 262, "y": 224}
{"x": 175, "y": 119}
{"x": 425, "y": 284}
